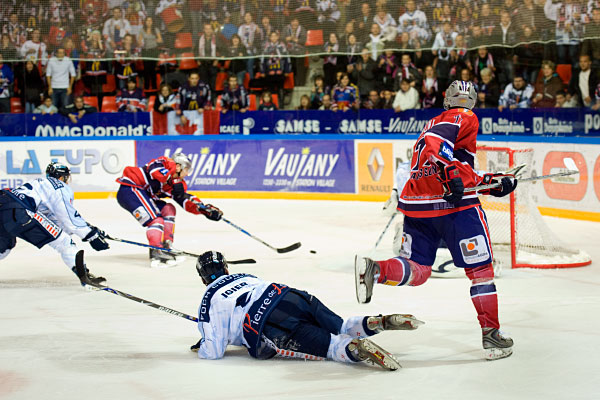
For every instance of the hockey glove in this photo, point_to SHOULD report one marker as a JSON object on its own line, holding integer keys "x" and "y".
{"x": 452, "y": 183}
{"x": 211, "y": 212}
{"x": 97, "y": 240}
{"x": 508, "y": 184}
{"x": 178, "y": 190}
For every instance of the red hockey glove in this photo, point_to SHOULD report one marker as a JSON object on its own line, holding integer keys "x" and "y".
{"x": 453, "y": 185}
{"x": 508, "y": 184}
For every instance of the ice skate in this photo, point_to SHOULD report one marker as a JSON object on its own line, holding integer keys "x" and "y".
{"x": 366, "y": 271}
{"x": 496, "y": 345}
{"x": 167, "y": 244}
{"x": 89, "y": 280}
{"x": 162, "y": 259}
{"x": 393, "y": 322}
{"x": 366, "y": 350}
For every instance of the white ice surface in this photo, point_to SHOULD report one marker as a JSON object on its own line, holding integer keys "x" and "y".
{"x": 58, "y": 341}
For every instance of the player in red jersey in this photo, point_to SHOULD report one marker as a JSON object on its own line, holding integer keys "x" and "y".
{"x": 141, "y": 191}
{"x": 436, "y": 208}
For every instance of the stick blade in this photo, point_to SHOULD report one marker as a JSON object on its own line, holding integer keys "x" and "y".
{"x": 289, "y": 248}
{"x": 244, "y": 261}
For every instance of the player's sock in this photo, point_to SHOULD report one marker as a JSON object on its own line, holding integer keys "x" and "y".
{"x": 337, "y": 349}
{"x": 168, "y": 214}
{"x": 357, "y": 327}
{"x": 154, "y": 232}
{"x": 399, "y": 271}
{"x": 483, "y": 295}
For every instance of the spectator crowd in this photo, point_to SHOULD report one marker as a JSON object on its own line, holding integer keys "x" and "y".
{"x": 66, "y": 56}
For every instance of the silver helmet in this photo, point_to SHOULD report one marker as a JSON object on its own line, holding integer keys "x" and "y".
{"x": 182, "y": 160}
{"x": 460, "y": 94}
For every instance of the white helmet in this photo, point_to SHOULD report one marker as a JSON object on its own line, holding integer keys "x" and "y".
{"x": 182, "y": 160}
{"x": 460, "y": 94}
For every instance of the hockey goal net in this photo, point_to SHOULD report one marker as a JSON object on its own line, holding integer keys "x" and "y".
{"x": 518, "y": 232}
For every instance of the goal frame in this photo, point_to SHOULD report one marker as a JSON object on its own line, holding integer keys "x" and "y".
{"x": 512, "y": 217}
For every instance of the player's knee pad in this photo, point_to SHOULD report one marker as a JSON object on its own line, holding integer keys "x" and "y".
{"x": 419, "y": 273}
{"x": 484, "y": 273}
{"x": 156, "y": 223}
{"x": 168, "y": 210}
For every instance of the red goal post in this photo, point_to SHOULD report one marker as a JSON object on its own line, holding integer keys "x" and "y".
{"x": 516, "y": 225}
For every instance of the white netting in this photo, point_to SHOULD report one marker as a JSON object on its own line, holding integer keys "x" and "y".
{"x": 519, "y": 234}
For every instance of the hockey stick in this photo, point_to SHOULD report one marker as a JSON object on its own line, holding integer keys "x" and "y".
{"x": 384, "y": 231}
{"x": 178, "y": 252}
{"x": 81, "y": 274}
{"x": 532, "y": 179}
{"x": 279, "y": 250}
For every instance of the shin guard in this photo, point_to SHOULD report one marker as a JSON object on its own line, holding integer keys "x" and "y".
{"x": 400, "y": 271}
{"x": 154, "y": 232}
{"x": 483, "y": 295}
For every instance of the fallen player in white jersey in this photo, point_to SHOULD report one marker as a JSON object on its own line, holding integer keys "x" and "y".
{"x": 272, "y": 319}
{"x": 41, "y": 212}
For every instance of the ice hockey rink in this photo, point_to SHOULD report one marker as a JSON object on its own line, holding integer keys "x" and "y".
{"x": 59, "y": 341}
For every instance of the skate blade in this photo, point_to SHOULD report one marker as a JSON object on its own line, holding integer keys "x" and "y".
{"x": 163, "y": 264}
{"x": 378, "y": 356}
{"x": 496, "y": 353}
{"x": 359, "y": 273}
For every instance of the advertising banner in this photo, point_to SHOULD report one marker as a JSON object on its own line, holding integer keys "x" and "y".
{"x": 94, "y": 164}
{"x": 375, "y": 167}
{"x": 100, "y": 125}
{"x": 267, "y": 165}
{"x": 579, "y": 194}
{"x": 527, "y": 122}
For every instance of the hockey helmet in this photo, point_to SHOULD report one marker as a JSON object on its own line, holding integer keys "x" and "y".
{"x": 211, "y": 265}
{"x": 58, "y": 170}
{"x": 460, "y": 94}
{"x": 182, "y": 160}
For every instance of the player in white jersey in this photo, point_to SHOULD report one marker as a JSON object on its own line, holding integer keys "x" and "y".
{"x": 272, "y": 319}
{"x": 41, "y": 212}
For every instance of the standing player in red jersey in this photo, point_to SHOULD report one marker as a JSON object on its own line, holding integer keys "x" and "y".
{"x": 141, "y": 191}
{"x": 436, "y": 208}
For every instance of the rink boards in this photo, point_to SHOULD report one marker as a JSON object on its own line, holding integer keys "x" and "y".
{"x": 323, "y": 167}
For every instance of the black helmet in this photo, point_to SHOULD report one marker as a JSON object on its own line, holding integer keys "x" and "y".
{"x": 57, "y": 170}
{"x": 211, "y": 265}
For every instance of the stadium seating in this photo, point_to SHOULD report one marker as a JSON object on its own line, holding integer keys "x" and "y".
{"x": 15, "y": 105}
{"x": 151, "y": 101}
{"x": 111, "y": 84}
{"x": 91, "y": 101}
{"x": 187, "y": 61}
{"x": 109, "y": 104}
{"x": 220, "y": 81}
{"x": 183, "y": 40}
{"x": 314, "y": 37}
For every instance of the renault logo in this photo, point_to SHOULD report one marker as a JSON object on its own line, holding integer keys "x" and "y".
{"x": 375, "y": 164}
